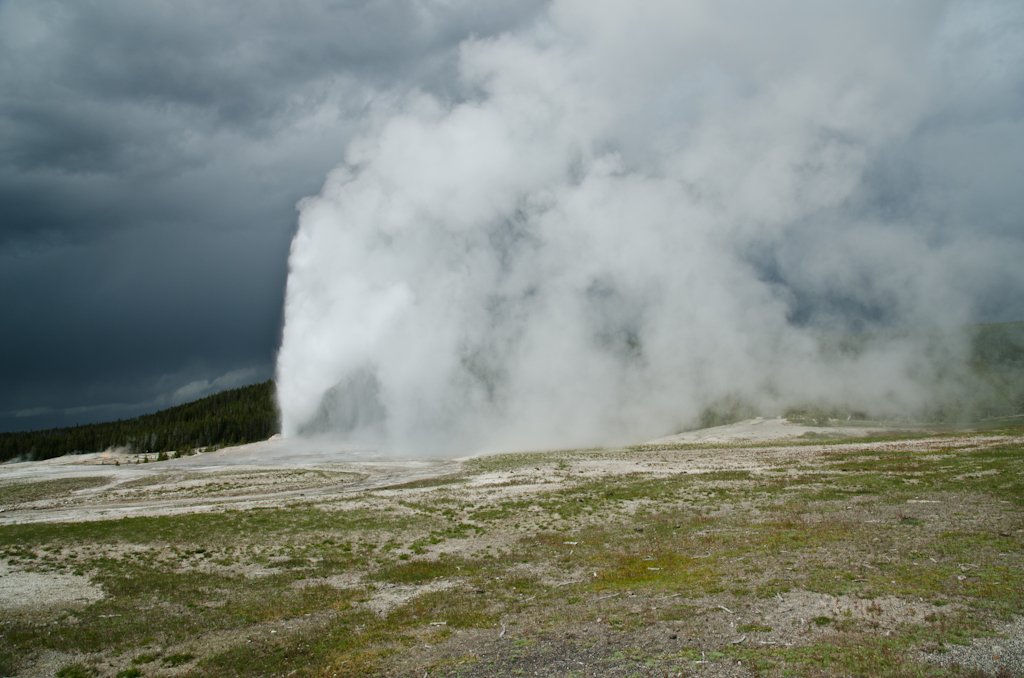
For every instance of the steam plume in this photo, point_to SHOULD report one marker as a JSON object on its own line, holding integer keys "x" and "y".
{"x": 638, "y": 209}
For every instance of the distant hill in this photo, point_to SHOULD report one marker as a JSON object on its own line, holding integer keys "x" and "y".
{"x": 240, "y": 415}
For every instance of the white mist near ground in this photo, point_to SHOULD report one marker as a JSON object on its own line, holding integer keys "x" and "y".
{"x": 639, "y": 208}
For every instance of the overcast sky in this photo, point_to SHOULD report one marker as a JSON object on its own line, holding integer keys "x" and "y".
{"x": 152, "y": 155}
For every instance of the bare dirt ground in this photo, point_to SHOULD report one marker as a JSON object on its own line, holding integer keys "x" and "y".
{"x": 759, "y": 548}
{"x": 260, "y": 474}
{"x": 761, "y": 430}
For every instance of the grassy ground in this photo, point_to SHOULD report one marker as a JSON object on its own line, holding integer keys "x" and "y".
{"x": 838, "y": 559}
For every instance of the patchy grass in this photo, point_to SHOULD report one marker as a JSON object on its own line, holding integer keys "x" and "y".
{"x": 646, "y": 569}
{"x": 178, "y": 659}
{"x": 23, "y": 492}
{"x": 77, "y": 671}
{"x": 417, "y": 571}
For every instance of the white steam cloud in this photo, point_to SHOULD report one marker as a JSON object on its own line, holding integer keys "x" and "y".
{"x": 640, "y": 208}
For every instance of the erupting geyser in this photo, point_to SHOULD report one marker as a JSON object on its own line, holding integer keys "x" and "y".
{"x": 633, "y": 210}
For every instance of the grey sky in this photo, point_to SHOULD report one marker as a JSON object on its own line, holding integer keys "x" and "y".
{"x": 152, "y": 154}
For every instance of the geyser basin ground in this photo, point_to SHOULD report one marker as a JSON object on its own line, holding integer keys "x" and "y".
{"x": 894, "y": 554}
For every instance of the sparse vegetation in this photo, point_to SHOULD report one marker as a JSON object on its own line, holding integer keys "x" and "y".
{"x": 76, "y": 671}
{"x": 178, "y": 659}
{"x": 855, "y": 558}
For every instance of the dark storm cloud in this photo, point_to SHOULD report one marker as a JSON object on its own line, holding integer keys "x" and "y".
{"x": 151, "y": 155}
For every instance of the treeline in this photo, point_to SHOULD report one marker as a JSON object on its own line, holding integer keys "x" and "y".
{"x": 240, "y": 415}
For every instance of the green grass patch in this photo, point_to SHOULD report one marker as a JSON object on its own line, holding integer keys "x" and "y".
{"x": 753, "y": 628}
{"x": 77, "y": 671}
{"x": 38, "y": 490}
{"x": 178, "y": 659}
